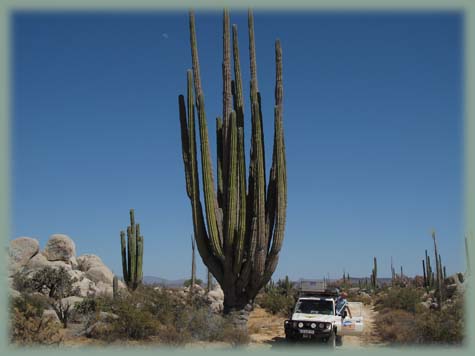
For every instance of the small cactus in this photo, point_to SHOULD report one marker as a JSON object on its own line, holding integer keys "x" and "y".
{"x": 115, "y": 287}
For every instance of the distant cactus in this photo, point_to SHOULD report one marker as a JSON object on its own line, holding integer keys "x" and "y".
{"x": 115, "y": 287}
{"x": 424, "y": 274}
{"x": 132, "y": 254}
{"x": 374, "y": 274}
{"x": 438, "y": 267}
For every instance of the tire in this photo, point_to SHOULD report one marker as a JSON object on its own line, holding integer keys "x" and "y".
{"x": 331, "y": 342}
{"x": 339, "y": 340}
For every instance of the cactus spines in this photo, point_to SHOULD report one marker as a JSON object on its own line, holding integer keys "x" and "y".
{"x": 132, "y": 254}
{"x": 240, "y": 234}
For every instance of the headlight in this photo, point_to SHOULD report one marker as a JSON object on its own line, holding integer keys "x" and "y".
{"x": 286, "y": 322}
{"x": 313, "y": 325}
{"x": 321, "y": 325}
{"x": 328, "y": 326}
{"x": 300, "y": 325}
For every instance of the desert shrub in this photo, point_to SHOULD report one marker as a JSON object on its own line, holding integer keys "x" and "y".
{"x": 29, "y": 327}
{"x": 235, "y": 336}
{"x": 133, "y": 321}
{"x": 399, "y": 298}
{"x": 55, "y": 283}
{"x": 275, "y": 302}
{"x": 205, "y": 325}
{"x": 445, "y": 326}
{"x": 425, "y": 326}
{"x": 396, "y": 326}
{"x": 88, "y": 310}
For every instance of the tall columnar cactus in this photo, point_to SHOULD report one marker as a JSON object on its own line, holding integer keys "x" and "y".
{"x": 374, "y": 274}
{"x": 241, "y": 237}
{"x": 430, "y": 280}
{"x": 132, "y": 254}
{"x": 424, "y": 274}
{"x": 438, "y": 270}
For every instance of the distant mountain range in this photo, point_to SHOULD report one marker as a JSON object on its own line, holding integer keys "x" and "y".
{"x": 179, "y": 282}
{"x": 163, "y": 281}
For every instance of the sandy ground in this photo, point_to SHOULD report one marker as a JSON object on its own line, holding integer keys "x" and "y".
{"x": 267, "y": 331}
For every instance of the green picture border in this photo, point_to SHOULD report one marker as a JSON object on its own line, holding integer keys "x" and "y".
{"x": 466, "y": 7}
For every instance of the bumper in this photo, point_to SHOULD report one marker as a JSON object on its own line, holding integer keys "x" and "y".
{"x": 294, "y": 332}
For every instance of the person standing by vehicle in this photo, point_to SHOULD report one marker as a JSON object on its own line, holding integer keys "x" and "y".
{"x": 342, "y": 305}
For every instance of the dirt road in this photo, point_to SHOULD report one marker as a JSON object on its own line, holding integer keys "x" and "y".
{"x": 267, "y": 330}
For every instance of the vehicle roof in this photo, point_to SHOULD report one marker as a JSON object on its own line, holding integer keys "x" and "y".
{"x": 316, "y": 298}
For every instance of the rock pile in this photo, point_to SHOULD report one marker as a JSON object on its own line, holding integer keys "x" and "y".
{"x": 92, "y": 276}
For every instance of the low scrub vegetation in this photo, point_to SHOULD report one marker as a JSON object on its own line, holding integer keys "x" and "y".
{"x": 403, "y": 320}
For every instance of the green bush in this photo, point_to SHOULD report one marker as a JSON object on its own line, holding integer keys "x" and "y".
{"x": 425, "y": 326}
{"x": 275, "y": 302}
{"x": 445, "y": 326}
{"x": 399, "y": 298}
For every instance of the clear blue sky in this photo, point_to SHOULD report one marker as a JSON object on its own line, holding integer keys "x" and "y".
{"x": 372, "y": 117}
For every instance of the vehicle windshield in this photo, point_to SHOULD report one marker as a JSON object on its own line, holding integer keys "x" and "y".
{"x": 312, "y": 306}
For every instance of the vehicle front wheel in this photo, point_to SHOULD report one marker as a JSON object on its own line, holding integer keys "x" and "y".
{"x": 331, "y": 342}
{"x": 339, "y": 340}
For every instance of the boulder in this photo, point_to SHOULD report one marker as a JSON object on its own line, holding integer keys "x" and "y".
{"x": 39, "y": 262}
{"x": 75, "y": 274}
{"x": 215, "y": 299}
{"x": 60, "y": 248}
{"x": 88, "y": 261}
{"x": 84, "y": 287}
{"x": 21, "y": 251}
{"x": 104, "y": 289}
{"x": 100, "y": 274}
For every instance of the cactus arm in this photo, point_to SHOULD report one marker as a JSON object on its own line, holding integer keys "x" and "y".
{"x": 211, "y": 204}
{"x": 227, "y": 98}
{"x": 185, "y": 146}
{"x": 123, "y": 249}
{"x": 219, "y": 158}
{"x": 132, "y": 254}
{"x": 213, "y": 213}
{"x": 239, "y": 244}
{"x": 201, "y": 236}
{"x": 232, "y": 191}
{"x": 140, "y": 260}
{"x": 194, "y": 54}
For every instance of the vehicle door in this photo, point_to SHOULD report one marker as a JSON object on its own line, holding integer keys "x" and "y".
{"x": 353, "y": 325}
